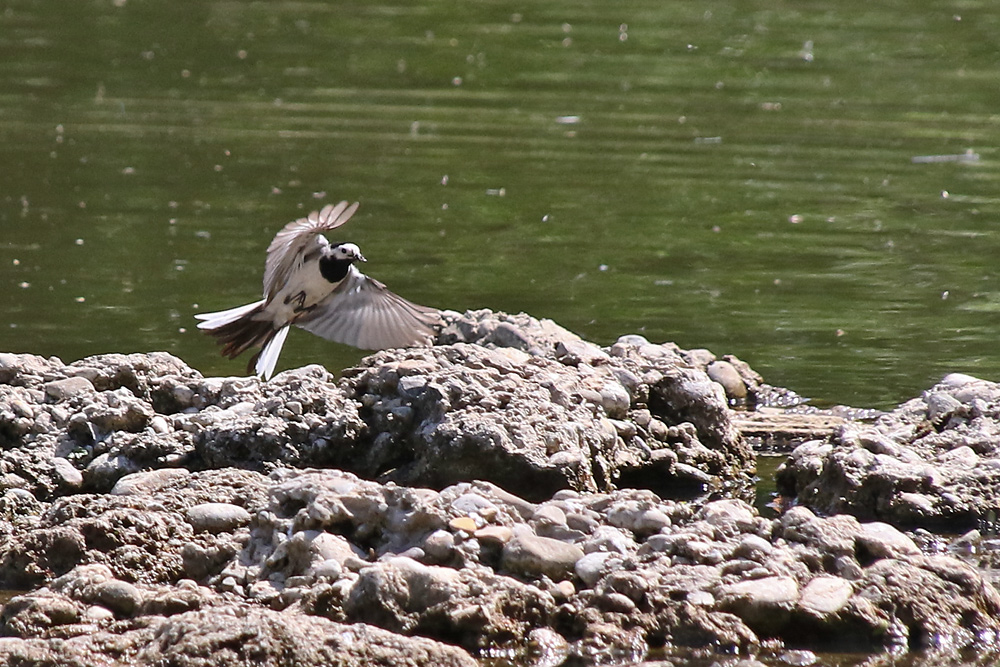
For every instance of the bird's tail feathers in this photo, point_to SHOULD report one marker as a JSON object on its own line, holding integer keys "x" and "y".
{"x": 223, "y": 317}
{"x": 268, "y": 356}
{"x": 238, "y": 329}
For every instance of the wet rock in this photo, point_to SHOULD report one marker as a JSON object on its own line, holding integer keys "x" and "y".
{"x": 499, "y": 486}
{"x": 726, "y": 375}
{"x": 235, "y": 636}
{"x": 931, "y": 462}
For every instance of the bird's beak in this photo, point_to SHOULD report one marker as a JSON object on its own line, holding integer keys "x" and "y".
{"x": 361, "y": 258}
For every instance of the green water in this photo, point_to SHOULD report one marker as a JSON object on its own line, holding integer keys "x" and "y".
{"x": 730, "y": 175}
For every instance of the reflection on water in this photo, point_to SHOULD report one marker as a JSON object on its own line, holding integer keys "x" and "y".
{"x": 769, "y": 182}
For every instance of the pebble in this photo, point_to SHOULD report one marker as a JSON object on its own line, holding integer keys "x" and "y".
{"x": 149, "y": 482}
{"x": 759, "y": 601}
{"x": 549, "y": 515}
{"x": 550, "y": 647}
{"x": 496, "y": 534}
{"x": 67, "y": 473}
{"x": 730, "y": 515}
{"x": 615, "y": 400}
{"x": 107, "y": 470}
{"x": 616, "y": 602}
{"x": 463, "y": 523}
{"x": 96, "y": 613}
{"x": 531, "y": 555}
{"x": 574, "y": 352}
{"x": 609, "y": 538}
{"x": 159, "y": 425}
{"x": 651, "y": 521}
{"x": 725, "y": 374}
{"x": 61, "y": 390}
{"x": 825, "y": 596}
{"x": 440, "y": 545}
{"x": 328, "y": 569}
{"x": 581, "y": 522}
{"x": 217, "y": 517}
{"x": 120, "y": 597}
{"x": 473, "y": 503}
{"x": 881, "y": 540}
{"x": 565, "y": 589}
{"x": 591, "y": 567}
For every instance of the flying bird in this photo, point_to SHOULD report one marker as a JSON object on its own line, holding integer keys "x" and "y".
{"x": 314, "y": 284}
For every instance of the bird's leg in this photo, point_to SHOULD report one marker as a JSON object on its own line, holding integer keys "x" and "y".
{"x": 301, "y": 299}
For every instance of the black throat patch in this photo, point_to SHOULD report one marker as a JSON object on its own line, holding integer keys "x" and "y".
{"x": 334, "y": 269}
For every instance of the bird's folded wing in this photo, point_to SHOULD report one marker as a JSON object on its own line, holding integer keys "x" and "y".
{"x": 361, "y": 312}
{"x": 297, "y": 238}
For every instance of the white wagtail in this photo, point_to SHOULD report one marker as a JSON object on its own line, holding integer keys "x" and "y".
{"x": 314, "y": 284}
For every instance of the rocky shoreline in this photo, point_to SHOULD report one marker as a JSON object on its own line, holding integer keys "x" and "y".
{"x": 511, "y": 491}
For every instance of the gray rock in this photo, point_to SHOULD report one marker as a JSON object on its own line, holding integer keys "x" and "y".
{"x": 268, "y": 638}
{"x": 726, "y": 375}
{"x": 900, "y": 471}
{"x": 120, "y": 597}
{"x": 825, "y": 596}
{"x": 67, "y": 388}
{"x": 562, "y": 425}
{"x": 880, "y": 540}
{"x": 593, "y": 566}
{"x": 69, "y": 476}
{"x": 551, "y": 420}
{"x": 532, "y": 556}
{"x": 217, "y": 517}
{"x": 151, "y": 481}
{"x": 763, "y": 604}
{"x": 439, "y": 546}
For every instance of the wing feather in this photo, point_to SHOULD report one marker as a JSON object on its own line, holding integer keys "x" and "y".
{"x": 298, "y": 238}
{"x": 363, "y": 313}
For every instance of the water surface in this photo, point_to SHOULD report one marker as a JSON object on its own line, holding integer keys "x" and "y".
{"x": 732, "y": 175}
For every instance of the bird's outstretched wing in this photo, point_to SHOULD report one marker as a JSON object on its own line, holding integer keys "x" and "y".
{"x": 298, "y": 238}
{"x": 361, "y": 312}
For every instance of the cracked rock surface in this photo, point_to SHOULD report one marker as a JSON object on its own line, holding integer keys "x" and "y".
{"x": 513, "y": 488}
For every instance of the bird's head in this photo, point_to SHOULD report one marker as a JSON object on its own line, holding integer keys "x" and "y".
{"x": 349, "y": 252}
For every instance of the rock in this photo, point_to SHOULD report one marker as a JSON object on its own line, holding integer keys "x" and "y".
{"x": 726, "y": 375}
{"x": 825, "y": 596}
{"x": 61, "y": 390}
{"x": 880, "y": 540}
{"x": 496, "y": 534}
{"x": 592, "y": 566}
{"x": 120, "y": 597}
{"x": 439, "y": 546}
{"x": 562, "y": 424}
{"x": 236, "y": 636}
{"x": 217, "y": 517}
{"x": 71, "y": 478}
{"x": 511, "y": 482}
{"x": 463, "y": 523}
{"x": 530, "y": 555}
{"x": 270, "y": 638}
{"x": 931, "y": 462}
{"x": 142, "y": 483}
{"x": 26, "y": 615}
{"x": 763, "y": 604}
